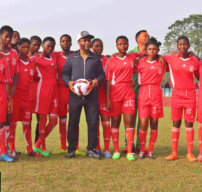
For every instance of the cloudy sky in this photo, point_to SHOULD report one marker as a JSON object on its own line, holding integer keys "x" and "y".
{"x": 105, "y": 19}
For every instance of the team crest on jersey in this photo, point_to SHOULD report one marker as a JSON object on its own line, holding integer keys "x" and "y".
{"x": 13, "y": 61}
{"x": 31, "y": 72}
{"x": 191, "y": 69}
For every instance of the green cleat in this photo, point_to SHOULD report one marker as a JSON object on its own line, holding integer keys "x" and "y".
{"x": 78, "y": 152}
{"x": 130, "y": 157}
{"x": 116, "y": 155}
{"x": 45, "y": 153}
{"x": 61, "y": 151}
{"x": 38, "y": 150}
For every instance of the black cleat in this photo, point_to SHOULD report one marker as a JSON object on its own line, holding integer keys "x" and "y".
{"x": 70, "y": 155}
{"x": 93, "y": 153}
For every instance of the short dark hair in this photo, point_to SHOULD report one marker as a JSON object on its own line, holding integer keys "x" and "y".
{"x": 35, "y": 38}
{"x": 23, "y": 40}
{"x": 95, "y": 40}
{"x": 121, "y": 37}
{"x": 16, "y": 32}
{"x": 6, "y": 28}
{"x": 49, "y": 39}
{"x": 138, "y": 33}
{"x": 66, "y": 35}
{"x": 153, "y": 41}
{"x": 183, "y": 37}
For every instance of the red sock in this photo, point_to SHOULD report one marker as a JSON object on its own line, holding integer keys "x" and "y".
{"x": 190, "y": 139}
{"x": 11, "y": 139}
{"x": 200, "y": 139}
{"x": 152, "y": 141}
{"x": 130, "y": 132}
{"x": 3, "y": 149}
{"x": 115, "y": 138}
{"x": 175, "y": 138}
{"x": 77, "y": 146}
{"x": 63, "y": 132}
{"x": 27, "y": 135}
{"x": 142, "y": 139}
{"x": 98, "y": 137}
{"x": 106, "y": 134}
{"x": 42, "y": 127}
{"x": 51, "y": 124}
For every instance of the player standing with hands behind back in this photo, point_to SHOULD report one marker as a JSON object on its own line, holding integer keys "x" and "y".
{"x": 86, "y": 65}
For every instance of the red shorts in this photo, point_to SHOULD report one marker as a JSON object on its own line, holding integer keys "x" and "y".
{"x": 199, "y": 117}
{"x": 47, "y": 97}
{"x": 103, "y": 110}
{"x": 63, "y": 96}
{"x": 150, "y": 102}
{"x": 127, "y": 106}
{"x": 183, "y": 100}
{"x": 3, "y": 103}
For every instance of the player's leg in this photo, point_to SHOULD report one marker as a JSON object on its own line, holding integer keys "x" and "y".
{"x": 98, "y": 148}
{"x": 200, "y": 142}
{"x": 37, "y": 127}
{"x": 153, "y": 136}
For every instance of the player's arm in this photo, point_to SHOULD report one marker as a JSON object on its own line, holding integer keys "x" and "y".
{"x": 66, "y": 74}
{"x": 108, "y": 95}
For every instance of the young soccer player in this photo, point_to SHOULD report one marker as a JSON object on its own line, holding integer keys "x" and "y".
{"x": 200, "y": 113}
{"x": 15, "y": 39}
{"x": 97, "y": 48}
{"x": 47, "y": 100}
{"x": 182, "y": 69}
{"x": 63, "y": 91}
{"x": 11, "y": 56}
{"x": 150, "y": 106}
{"x": 4, "y": 80}
{"x": 120, "y": 97}
{"x": 34, "y": 51}
{"x": 21, "y": 99}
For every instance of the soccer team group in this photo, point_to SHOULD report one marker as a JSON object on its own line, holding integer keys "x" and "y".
{"x": 31, "y": 82}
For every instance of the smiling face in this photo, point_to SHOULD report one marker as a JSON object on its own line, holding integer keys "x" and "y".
{"x": 65, "y": 43}
{"x": 97, "y": 48}
{"x": 122, "y": 45}
{"x": 85, "y": 43}
{"x": 48, "y": 47}
{"x": 183, "y": 46}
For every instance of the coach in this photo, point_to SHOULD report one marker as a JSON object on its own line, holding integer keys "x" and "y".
{"x": 83, "y": 64}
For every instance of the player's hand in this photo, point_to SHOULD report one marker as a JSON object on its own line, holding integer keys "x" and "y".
{"x": 71, "y": 86}
{"x": 94, "y": 83}
{"x": 10, "y": 105}
{"x": 115, "y": 54}
{"x": 162, "y": 60}
{"x": 132, "y": 84}
{"x": 108, "y": 104}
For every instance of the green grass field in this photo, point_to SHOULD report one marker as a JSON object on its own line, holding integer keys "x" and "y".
{"x": 58, "y": 174}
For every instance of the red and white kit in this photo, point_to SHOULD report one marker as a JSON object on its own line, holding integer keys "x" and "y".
{"x": 47, "y": 97}
{"x": 63, "y": 91}
{"x": 120, "y": 71}
{"x": 21, "y": 104}
{"x": 182, "y": 73}
{"x": 199, "y": 118}
{"x": 102, "y": 92}
{"x": 150, "y": 75}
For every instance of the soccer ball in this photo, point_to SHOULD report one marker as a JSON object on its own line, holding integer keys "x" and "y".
{"x": 82, "y": 87}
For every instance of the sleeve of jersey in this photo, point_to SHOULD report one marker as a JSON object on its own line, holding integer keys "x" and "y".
{"x": 196, "y": 67}
{"x": 108, "y": 70}
{"x": 17, "y": 70}
{"x": 134, "y": 55}
{"x": 100, "y": 73}
{"x": 67, "y": 71}
{"x": 167, "y": 59}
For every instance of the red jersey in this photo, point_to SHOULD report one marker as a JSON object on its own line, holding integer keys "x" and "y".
{"x": 46, "y": 67}
{"x": 101, "y": 89}
{"x": 4, "y": 71}
{"x": 12, "y": 58}
{"x": 120, "y": 72}
{"x": 150, "y": 72}
{"x": 182, "y": 71}
{"x": 60, "y": 64}
{"x": 26, "y": 74}
{"x": 200, "y": 74}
